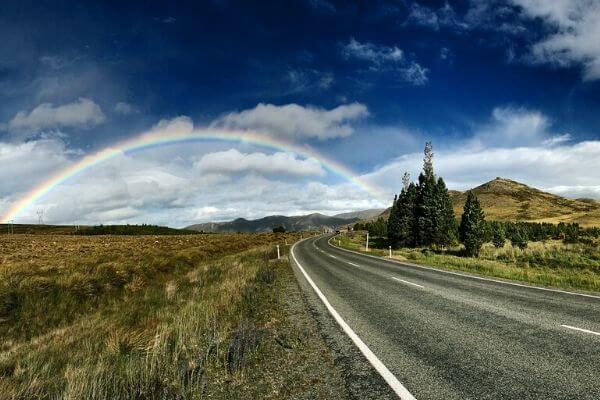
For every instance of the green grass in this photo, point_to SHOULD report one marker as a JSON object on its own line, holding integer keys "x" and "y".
{"x": 205, "y": 316}
{"x": 552, "y": 264}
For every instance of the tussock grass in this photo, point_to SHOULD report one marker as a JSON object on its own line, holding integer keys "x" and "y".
{"x": 551, "y": 263}
{"x": 144, "y": 317}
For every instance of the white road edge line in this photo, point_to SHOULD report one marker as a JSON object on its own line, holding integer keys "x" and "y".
{"x": 407, "y": 282}
{"x": 465, "y": 275}
{"x": 385, "y": 373}
{"x": 351, "y": 263}
{"x": 580, "y": 329}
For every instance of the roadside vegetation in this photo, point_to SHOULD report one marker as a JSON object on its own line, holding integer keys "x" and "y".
{"x": 145, "y": 317}
{"x": 421, "y": 228}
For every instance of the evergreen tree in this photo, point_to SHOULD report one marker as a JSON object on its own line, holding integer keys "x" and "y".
{"x": 519, "y": 238}
{"x": 393, "y": 226}
{"x": 498, "y": 235}
{"x": 426, "y": 205}
{"x": 406, "y": 210}
{"x": 472, "y": 225}
{"x": 445, "y": 222}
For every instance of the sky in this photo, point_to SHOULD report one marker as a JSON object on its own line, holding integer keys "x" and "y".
{"x": 348, "y": 90}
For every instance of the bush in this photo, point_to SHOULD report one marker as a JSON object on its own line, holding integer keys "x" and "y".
{"x": 279, "y": 229}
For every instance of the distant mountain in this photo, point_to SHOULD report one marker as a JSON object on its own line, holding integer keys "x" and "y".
{"x": 309, "y": 222}
{"x": 507, "y": 200}
{"x": 365, "y": 214}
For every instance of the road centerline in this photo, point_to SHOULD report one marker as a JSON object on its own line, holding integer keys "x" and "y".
{"x": 581, "y": 329}
{"x": 408, "y": 282}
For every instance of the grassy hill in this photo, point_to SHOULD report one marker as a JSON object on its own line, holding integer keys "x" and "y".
{"x": 507, "y": 200}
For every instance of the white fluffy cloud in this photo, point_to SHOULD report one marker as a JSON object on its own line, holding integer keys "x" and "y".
{"x": 564, "y": 167}
{"x": 510, "y": 126}
{"x": 381, "y": 58}
{"x": 295, "y": 121}
{"x": 233, "y": 161}
{"x": 81, "y": 113}
{"x": 575, "y": 33}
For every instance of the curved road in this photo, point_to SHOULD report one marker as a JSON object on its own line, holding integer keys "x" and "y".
{"x": 447, "y": 336}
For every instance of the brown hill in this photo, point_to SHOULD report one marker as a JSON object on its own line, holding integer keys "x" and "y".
{"x": 507, "y": 200}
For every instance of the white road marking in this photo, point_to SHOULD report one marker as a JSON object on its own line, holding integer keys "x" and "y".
{"x": 385, "y": 373}
{"x": 580, "y": 329}
{"x": 351, "y": 263}
{"x": 407, "y": 282}
{"x": 481, "y": 278}
{"x": 332, "y": 256}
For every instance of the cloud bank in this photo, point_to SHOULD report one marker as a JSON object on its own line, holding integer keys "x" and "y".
{"x": 294, "y": 121}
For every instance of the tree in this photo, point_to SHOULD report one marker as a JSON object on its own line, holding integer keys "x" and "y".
{"x": 393, "y": 226}
{"x": 377, "y": 228}
{"x": 519, "y": 238}
{"x": 472, "y": 225}
{"x": 444, "y": 232}
{"x": 279, "y": 229}
{"x": 405, "y": 217}
{"x": 498, "y": 235}
{"x": 426, "y": 204}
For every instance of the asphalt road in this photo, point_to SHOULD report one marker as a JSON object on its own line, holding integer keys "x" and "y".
{"x": 446, "y": 336}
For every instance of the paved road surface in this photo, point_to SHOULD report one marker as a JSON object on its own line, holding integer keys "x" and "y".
{"x": 445, "y": 336}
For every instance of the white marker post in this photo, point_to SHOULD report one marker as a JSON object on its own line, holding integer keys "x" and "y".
{"x": 367, "y": 246}
{"x": 278, "y": 257}
{"x": 339, "y": 242}
{"x": 390, "y": 247}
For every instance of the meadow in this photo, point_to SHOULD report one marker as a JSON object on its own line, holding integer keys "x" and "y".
{"x": 144, "y": 317}
{"x": 574, "y": 266}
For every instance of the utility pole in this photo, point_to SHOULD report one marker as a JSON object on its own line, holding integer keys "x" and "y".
{"x": 40, "y": 214}
{"x": 367, "y": 246}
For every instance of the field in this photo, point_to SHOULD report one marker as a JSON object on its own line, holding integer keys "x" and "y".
{"x": 550, "y": 263}
{"x": 170, "y": 317}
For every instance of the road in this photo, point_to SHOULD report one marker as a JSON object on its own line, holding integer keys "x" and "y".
{"x": 447, "y": 336}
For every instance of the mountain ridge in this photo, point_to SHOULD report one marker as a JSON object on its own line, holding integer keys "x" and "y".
{"x": 308, "y": 222}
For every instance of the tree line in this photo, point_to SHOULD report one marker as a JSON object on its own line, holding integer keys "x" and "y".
{"x": 422, "y": 216}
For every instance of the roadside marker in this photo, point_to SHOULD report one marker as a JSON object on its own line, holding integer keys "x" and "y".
{"x": 278, "y": 256}
{"x": 390, "y": 247}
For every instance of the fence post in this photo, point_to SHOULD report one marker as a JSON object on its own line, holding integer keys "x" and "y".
{"x": 278, "y": 257}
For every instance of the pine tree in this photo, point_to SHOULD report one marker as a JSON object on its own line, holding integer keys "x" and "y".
{"x": 472, "y": 225}
{"x": 445, "y": 222}
{"x": 498, "y": 235}
{"x": 426, "y": 208}
{"x": 393, "y": 224}
{"x": 406, "y": 211}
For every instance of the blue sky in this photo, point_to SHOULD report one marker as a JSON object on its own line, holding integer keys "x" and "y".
{"x": 503, "y": 88}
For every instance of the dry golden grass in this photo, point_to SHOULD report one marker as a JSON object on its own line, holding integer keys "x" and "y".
{"x": 115, "y": 317}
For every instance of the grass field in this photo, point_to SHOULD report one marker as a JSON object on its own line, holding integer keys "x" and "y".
{"x": 551, "y": 263}
{"x": 144, "y": 317}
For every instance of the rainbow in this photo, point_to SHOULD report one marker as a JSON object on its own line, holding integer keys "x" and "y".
{"x": 164, "y": 137}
